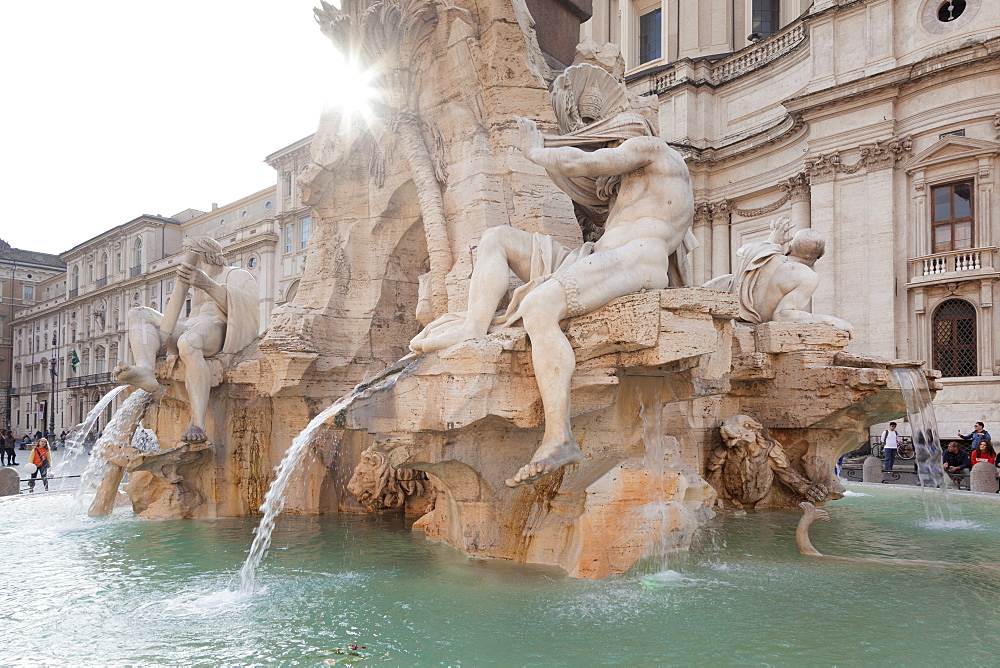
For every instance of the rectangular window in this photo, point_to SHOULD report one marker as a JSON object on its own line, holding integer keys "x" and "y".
{"x": 952, "y": 219}
{"x": 28, "y": 293}
{"x": 154, "y": 290}
{"x": 765, "y": 19}
{"x": 650, "y": 39}
{"x": 170, "y": 287}
{"x": 289, "y": 237}
{"x": 305, "y": 229}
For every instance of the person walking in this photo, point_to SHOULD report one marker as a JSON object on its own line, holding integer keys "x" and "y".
{"x": 42, "y": 459}
{"x": 890, "y": 443}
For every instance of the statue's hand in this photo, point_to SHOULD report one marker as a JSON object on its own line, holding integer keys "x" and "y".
{"x": 815, "y": 493}
{"x": 194, "y": 276}
{"x": 532, "y": 140}
{"x": 781, "y": 230}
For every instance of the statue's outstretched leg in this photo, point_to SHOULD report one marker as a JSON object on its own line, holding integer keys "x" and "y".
{"x": 145, "y": 341}
{"x": 587, "y": 285}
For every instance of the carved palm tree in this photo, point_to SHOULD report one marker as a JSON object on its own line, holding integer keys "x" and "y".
{"x": 388, "y": 38}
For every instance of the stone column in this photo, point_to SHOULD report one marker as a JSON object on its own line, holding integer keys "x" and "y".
{"x": 701, "y": 257}
{"x": 720, "y": 237}
{"x": 797, "y": 188}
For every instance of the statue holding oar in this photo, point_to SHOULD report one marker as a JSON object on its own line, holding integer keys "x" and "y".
{"x": 223, "y": 319}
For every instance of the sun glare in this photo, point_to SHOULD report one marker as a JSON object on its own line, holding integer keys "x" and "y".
{"x": 350, "y": 91}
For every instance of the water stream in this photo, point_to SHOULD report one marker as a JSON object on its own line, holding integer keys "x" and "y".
{"x": 78, "y": 436}
{"x": 118, "y": 431}
{"x": 926, "y": 443}
{"x": 274, "y": 500}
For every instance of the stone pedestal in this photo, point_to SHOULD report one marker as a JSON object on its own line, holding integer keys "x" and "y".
{"x": 983, "y": 478}
{"x": 872, "y": 470}
{"x": 10, "y": 482}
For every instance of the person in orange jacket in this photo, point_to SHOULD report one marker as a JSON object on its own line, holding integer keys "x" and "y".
{"x": 41, "y": 458}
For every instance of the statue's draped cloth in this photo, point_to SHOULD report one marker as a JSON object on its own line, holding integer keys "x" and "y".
{"x": 242, "y": 315}
{"x": 751, "y": 258}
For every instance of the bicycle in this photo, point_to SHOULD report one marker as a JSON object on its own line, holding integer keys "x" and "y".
{"x": 904, "y": 450}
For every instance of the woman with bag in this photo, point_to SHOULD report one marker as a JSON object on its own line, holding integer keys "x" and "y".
{"x": 42, "y": 460}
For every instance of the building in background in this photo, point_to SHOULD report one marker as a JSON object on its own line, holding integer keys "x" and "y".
{"x": 24, "y": 279}
{"x": 873, "y": 121}
{"x": 75, "y": 327}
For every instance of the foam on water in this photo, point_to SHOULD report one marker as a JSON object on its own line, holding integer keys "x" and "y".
{"x": 850, "y": 492}
{"x": 210, "y": 604}
{"x": 949, "y": 525}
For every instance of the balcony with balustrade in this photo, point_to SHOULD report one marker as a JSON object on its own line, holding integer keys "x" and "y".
{"x": 91, "y": 379}
{"x": 970, "y": 264}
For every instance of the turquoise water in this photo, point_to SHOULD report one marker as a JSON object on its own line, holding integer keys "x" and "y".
{"x": 117, "y": 591}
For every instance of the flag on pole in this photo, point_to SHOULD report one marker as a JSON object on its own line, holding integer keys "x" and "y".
{"x": 74, "y": 359}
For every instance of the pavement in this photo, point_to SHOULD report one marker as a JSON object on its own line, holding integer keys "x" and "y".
{"x": 64, "y": 474}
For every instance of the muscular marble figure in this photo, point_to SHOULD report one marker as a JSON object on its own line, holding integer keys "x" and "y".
{"x": 647, "y": 188}
{"x": 773, "y": 285}
{"x": 224, "y": 318}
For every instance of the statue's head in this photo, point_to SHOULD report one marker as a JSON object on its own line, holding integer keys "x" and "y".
{"x": 206, "y": 247}
{"x": 807, "y": 244}
{"x": 740, "y": 430}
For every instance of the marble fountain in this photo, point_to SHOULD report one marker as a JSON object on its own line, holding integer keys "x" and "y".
{"x": 495, "y": 393}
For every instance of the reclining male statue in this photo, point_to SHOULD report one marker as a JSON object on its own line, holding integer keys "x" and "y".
{"x": 774, "y": 285}
{"x": 224, "y": 319}
{"x": 646, "y": 188}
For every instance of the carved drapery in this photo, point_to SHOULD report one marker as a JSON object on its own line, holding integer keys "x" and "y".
{"x": 880, "y": 155}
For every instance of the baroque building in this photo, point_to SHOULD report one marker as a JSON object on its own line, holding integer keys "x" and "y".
{"x": 75, "y": 325}
{"x": 873, "y": 121}
{"x": 23, "y": 274}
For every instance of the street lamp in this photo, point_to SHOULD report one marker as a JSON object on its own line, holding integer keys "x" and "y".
{"x": 52, "y": 396}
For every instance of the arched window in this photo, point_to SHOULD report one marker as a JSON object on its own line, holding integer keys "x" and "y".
{"x": 104, "y": 266}
{"x": 75, "y": 283}
{"x": 954, "y": 334}
{"x": 99, "y": 360}
{"x": 137, "y": 254}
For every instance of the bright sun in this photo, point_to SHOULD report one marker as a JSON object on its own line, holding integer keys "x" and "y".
{"x": 350, "y": 90}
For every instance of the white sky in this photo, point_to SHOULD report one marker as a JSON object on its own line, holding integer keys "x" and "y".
{"x": 116, "y": 108}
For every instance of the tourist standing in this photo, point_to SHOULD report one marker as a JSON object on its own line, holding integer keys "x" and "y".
{"x": 977, "y": 434}
{"x": 8, "y": 449}
{"x": 890, "y": 443}
{"x": 41, "y": 458}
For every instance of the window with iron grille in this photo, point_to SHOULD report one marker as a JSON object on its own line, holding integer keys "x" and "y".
{"x": 650, "y": 33}
{"x": 954, "y": 335}
{"x": 765, "y": 17}
{"x": 952, "y": 216}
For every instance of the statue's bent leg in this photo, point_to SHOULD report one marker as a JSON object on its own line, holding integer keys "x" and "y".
{"x": 145, "y": 342}
{"x": 201, "y": 340}
{"x": 502, "y": 249}
{"x": 588, "y": 284}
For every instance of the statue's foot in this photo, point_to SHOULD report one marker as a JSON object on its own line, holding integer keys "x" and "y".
{"x": 445, "y": 339}
{"x": 194, "y": 434}
{"x": 548, "y": 459}
{"x": 138, "y": 376}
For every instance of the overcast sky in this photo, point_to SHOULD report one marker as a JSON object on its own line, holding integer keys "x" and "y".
{"x": 116, "y": 108}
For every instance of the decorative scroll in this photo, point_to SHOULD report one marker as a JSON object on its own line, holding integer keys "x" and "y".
{"x": 880, "y": 155}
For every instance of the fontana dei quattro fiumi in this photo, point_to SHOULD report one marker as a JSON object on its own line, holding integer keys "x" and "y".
{"x": 528, "y": 405}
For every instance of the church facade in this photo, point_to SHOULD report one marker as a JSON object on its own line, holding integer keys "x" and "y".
{"x": 875, "y": 122}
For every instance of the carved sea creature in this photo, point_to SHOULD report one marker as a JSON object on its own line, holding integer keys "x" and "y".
{"x": 379, "y": 486}
{"x": 744, "y": 468}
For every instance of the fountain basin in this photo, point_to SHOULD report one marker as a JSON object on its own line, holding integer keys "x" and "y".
{"x": 120, "y": 590}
